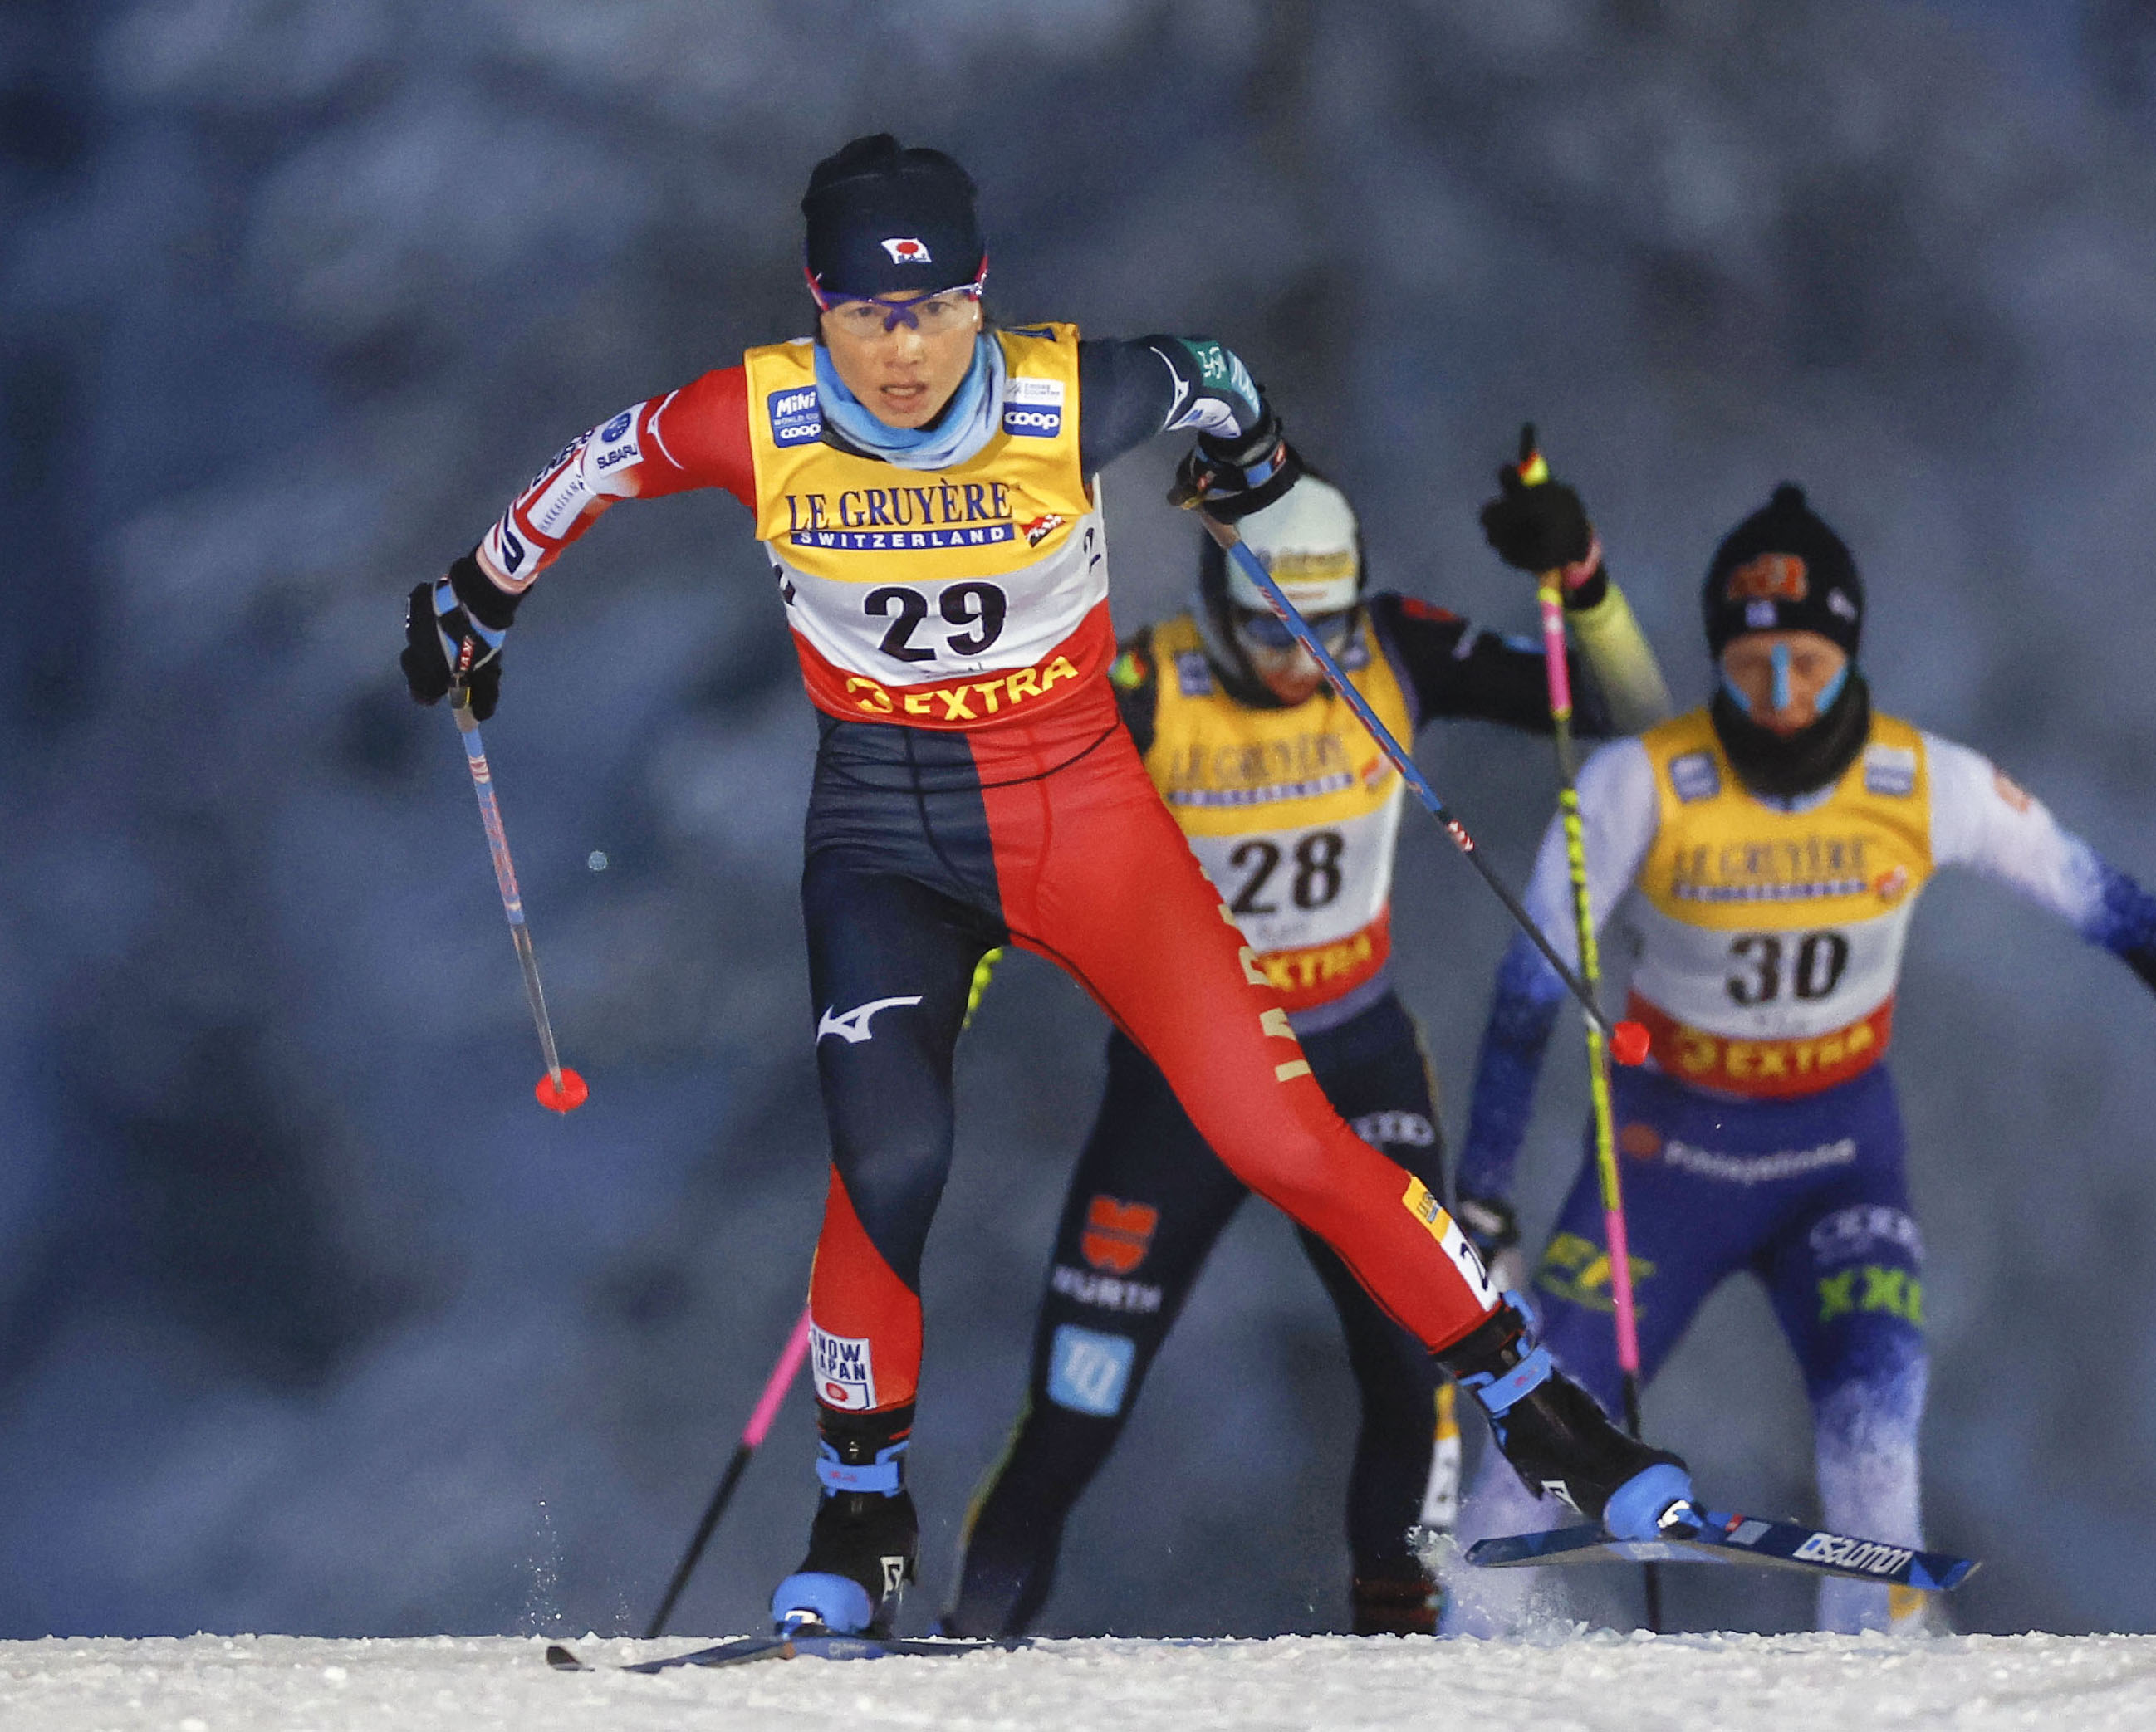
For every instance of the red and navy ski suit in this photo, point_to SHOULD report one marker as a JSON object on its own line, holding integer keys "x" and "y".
{"x": 974, "y": 787}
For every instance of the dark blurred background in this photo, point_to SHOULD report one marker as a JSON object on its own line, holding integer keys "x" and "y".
{"x": 311, "y": 1320}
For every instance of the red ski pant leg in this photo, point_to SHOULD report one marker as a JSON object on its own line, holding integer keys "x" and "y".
{"x": 1094, "y": 875}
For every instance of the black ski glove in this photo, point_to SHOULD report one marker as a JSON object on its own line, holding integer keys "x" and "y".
{"x": 1489, "y": 1224}
{"x": 453, "y": 632}
{"x": 1231, "y": 478}
{"x": 1539, "y": 525}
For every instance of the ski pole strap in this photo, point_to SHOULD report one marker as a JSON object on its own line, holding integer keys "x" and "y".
{"x": 880, "y": 1475}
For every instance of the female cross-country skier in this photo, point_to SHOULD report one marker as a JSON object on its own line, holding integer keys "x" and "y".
{"x": 1778, "y": 838}
{"x": 923, "y": 485}
{"x": 1293, "y": 812}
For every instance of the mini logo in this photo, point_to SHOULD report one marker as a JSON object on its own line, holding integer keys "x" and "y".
{"x": 904, "y": 249}
{"x": 612, "y": 431}
{"x": 1194, "y": 677}
{"x": 1759, "y": 616}
{"x": 1892, "y": 884}
{"x": 2009, "y": 791}
{"x": 1641, "y": 1141}
{"x": 1562, "y": 1493}
{"x": 1117, "y": 1234}
{"x": 1090, "y": 1371}
{"x": 1837, "y": 602}
{"x": 894, "y": 1575}
{"x": 845, "y": 1374}
{"x": 796, "y": 418}
{"x": 853, "y": 1027}
{"x": 1037, "y": 529}
{"x": 1771, "y": 577}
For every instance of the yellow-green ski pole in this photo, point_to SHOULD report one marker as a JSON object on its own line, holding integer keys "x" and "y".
{"x": 1550, "y": 594}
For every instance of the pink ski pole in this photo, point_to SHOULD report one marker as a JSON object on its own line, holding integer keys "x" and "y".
{"x": 1532, "y": 472}
{"x": 752, "y": 1438}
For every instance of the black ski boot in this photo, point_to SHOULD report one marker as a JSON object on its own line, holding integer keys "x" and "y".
{"x": 1557, "y": 1439}
{"x": 865, "y": 1536}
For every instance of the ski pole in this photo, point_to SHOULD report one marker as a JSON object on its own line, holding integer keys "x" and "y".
{"x": 1532, "y": 472}
{"x": 560, "y": 1090}
{"x": 753, "y": 1435}
{"x": 1627, "y": 1041}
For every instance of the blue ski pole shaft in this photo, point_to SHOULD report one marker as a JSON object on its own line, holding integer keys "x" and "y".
{"x": 1252, "y": 567}
{"x": 568, "y": 1089}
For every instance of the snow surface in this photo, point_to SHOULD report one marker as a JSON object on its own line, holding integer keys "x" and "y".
{"x": 279, "y": 1683}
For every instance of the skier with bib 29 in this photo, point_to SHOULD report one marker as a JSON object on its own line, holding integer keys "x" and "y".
{"x": 1778, "y": 839}
{"x": 924, "y": 486}
{"x": 1293, "y": 812}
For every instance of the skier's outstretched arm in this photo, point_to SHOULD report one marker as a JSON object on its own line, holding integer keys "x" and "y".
{"x": 1618, "y": 817}
{"x": 695, "y": 437}
{"x": 1455, "y": 670}
{"x": 1982, "y": 819}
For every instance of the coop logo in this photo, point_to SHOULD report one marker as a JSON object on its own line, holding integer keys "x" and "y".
{"x": 905, "y": 249}
{"x": 1037, "y": 530}
{"x": 1033, "y": 409}
{"x": 796, "y": 419}
{"x": 846, "y": 1374}
{"x": 1839, "y": 1552}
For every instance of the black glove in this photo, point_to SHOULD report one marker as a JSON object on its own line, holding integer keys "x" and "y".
{"x": 453, "y": 632}
{"x": 1231, "y": 478}
{"x": 1489, "y": 1224}
{"x": 1537, "y": 526}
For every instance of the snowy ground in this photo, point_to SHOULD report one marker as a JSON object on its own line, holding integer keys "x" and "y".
{"x": 207, "y": 1683}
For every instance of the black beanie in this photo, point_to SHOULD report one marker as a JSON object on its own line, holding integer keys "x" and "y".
{"x": 1783, "y": 570}
{"x": 883, "y": 221}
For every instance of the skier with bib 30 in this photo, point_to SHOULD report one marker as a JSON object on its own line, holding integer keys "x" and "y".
{"x": 923, "y": 485}
{"x": 1777, "y": 839}
{"x": 1293, "y": 812}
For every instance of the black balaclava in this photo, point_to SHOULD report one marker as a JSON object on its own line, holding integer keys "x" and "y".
{"x": 1783, "y": 569}
{"x": 886, "y": 221}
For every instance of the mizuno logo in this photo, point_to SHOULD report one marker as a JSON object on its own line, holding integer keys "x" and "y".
{"x": 853, "y": 1027}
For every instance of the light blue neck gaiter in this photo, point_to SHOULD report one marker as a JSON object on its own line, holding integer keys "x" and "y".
{"x": 967, "y": 425}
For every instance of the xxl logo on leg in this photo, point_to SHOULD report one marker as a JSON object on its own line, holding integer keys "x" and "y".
{"x": 1117, "y": 1234}
{"x": 845, "y": 1374}
{"x": 1090, "y": 1371}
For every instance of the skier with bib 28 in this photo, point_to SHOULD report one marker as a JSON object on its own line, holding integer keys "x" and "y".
{"x": 1293, "y": 812}
{"x": 1777, "y": 839}
{"x": 924, "y": 487}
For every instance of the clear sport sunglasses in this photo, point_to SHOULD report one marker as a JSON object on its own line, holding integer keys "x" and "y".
{"x": 862, "y": 314}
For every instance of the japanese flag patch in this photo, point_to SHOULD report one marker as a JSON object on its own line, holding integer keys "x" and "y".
{"x": 845, "y": 1374}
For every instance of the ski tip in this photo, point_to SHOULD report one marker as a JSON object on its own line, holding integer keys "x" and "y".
{"x": 1628, "y": 1044}
{"x": 572, "y": 1092}
{"x": 563, "y": 1660}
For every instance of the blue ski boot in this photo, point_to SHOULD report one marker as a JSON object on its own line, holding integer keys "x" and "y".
{"x": 865, "y": 1536}
{"x": 1555, "y": 1437}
